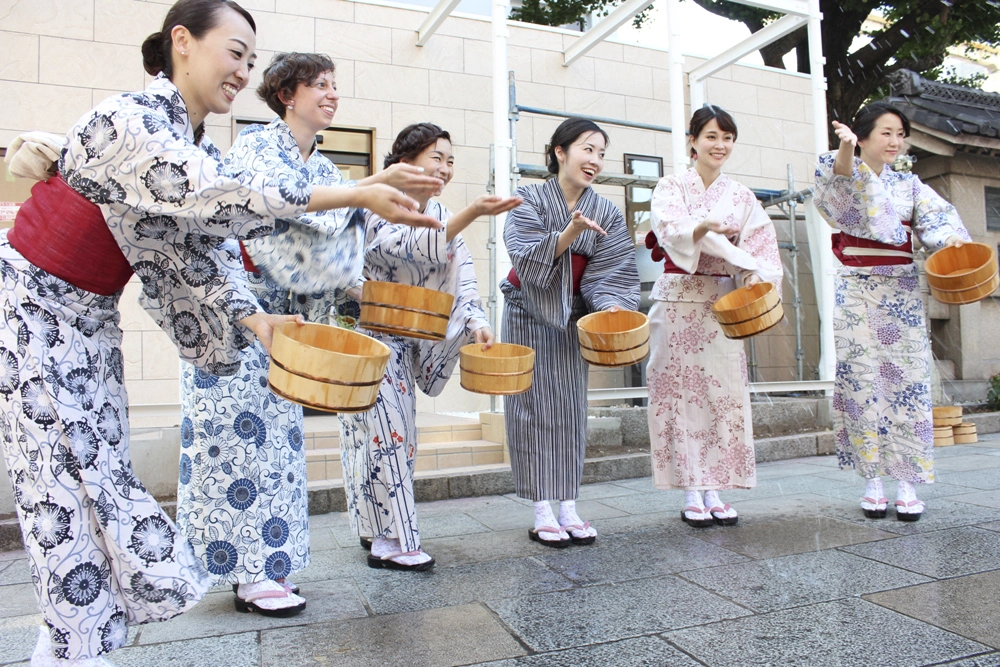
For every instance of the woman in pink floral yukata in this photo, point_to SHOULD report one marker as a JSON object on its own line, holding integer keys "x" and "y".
{"x": 713, "y": 236}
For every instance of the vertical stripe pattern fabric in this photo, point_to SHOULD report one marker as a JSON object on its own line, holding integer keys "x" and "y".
{"x": 547, "y": 425}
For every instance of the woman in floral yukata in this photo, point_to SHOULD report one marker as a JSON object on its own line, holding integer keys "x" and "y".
{"x": 882, "y": 397}
{"x": 713, "y": 237}
{"x": 572, "y": 254}
{"x": 236, "y": 435}
{"x": 142, "y": 190}
{"x": 379, "y": 447}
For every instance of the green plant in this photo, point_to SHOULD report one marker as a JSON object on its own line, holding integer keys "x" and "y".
{"x": 993, "y": 394}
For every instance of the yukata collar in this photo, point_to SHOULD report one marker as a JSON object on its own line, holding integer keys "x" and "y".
{"x": 694, "y": 181}
{"x": 177, "y": 110}
{"x": 553, "y": 185}
{"x": 290, "y": 144}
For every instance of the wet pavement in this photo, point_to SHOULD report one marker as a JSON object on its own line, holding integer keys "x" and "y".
{"x": 804, "y": 579}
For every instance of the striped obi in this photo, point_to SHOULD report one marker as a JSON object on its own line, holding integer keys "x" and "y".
{"x": 854, "y": 251}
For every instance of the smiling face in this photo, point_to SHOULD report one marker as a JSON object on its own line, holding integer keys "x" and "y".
{"x": 885, "y": 142}
{"x": 713, "y": 145}
{"x": 437, "y": 161}
{"x": 315, "y": 104}
{"x": 583, "y": 161}
{"x": 210, "y": 71}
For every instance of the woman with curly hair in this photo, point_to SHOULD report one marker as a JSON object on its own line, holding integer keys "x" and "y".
{"x": 141, "y": 189}
{"x": 379, "y": 447}
{"x": 882, "y": 395}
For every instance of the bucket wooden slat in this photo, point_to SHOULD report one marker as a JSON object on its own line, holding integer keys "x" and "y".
{"x": 966, "y": 439}
{"x": 947, "y": 412}
{"x": 405, "y": 310}
{"x": 747, "y": 312}
{"x": 325, "y": 367}
{"x": 614, "y": 339}
{"x": 503, "y": 370}
{"x": 963, "y": 275}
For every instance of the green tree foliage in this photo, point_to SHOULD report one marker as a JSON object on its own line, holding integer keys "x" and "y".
{"x": 569, "y": 12}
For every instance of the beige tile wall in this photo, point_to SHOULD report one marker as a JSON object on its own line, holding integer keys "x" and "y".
{"x": 59, "y": 57}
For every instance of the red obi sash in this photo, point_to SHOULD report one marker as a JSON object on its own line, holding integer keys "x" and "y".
{"x": 62, "y": 232}
{"x": 658, "y": 255}
{"x": 578, "y": 264}
{"x": 247, "y": 261}
{"x": 854, "y": 251}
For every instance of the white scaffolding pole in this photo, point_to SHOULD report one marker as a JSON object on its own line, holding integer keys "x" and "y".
{"x": 677, "y": 115}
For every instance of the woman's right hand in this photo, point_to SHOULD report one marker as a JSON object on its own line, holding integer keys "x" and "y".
{"x": 262, "y": 325}
{"x": 390, "y": 204}
{"x": 580, "y": 223}
{"x": 845, "y": 135}
{"x": 410, "y": 178}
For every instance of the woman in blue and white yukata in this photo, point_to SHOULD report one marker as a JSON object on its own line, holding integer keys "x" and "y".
{"x": 379, "y": 447}
{"x": 237, "y": 436}
{"x": 142, "y": 189}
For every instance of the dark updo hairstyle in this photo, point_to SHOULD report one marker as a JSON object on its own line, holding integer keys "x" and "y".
{"x": 564, "y": 137}
{"x": 198, "y": 16}
{"x": 704, "y": 115}
{"x": 412, "y": 141}
{"x": 865, "y": 120}
{"x": 284, "y": 74}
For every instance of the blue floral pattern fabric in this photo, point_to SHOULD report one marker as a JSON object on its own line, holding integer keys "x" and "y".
{"x": 378, "y": 448}
{"x": 883, "y": 420}
{"x": 102, "y": 553}
{"x": 313, "y": 252}
{"x": 170, "y": 205}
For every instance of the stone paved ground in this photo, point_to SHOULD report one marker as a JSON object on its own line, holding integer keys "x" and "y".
{"x": 803, "y": 580}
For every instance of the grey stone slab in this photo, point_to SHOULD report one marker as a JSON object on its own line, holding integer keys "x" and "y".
{"x": 18, "y": 599}
{"x": 390, "y": 591}
{"x": 943, "y": 553}
{"x": 235, "y": 650}
{"x": 18, "y": 635}
{"x": 637, "y": 556}
{"x": 17, "y": 571}
{"x": 981, "y": 498}
{"x": 611, "y": 611}
{"x": 347, "y": 561}
{"x": 655, "y": 502}
{"x": 643, "y": 483}
{"x": 511, "y": 515}
{"x": 850, "y": 632}
{"x": 461, "y": 505}
{"x": 482, "y": 547}
{"x": 321, "y": 539}
{"x": 988, "y": 478}
{"x": 784, "y": 486}
{"x": 988, "y": 660}
{"x": 965, "y": 462}
{"x": 639, "y": 652}
{"x": 605, "y": 490}
{"x": 965, "y": 605}
{"x": 494, "y": 482}
{"x": 215, "y": 615}
{"x": 782, "y": 469}
{"x": 992, "y": 525}
{"x": 447, "y": 525}
{"x": 608, "y": 468}
{"x": 940, "y": 514}
{"x": 434, "y": 638}
{"x": 785, "y": 447}
{"x": 801, "y": 579}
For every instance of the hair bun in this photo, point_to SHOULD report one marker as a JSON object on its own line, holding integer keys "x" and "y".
{"x": 152, "y": 54}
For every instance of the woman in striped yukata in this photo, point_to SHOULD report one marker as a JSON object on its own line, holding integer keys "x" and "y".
{"x": 882, "y": 394}
{"x": 572, "y": 254}
{"x": 379, "y": 447}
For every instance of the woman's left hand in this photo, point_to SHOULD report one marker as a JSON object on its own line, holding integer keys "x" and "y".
{"x": 614, "y": 309}
{"x": 751, "y": 280}
{"x": 485, "y": 337}
{"x": 954, "y": 241}
{"x": 263, "y": 324}
{"x": 495, "y": 205}
{"x": 409, "y": 178}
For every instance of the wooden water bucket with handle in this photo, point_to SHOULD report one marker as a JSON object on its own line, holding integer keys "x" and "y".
{"x": 614, "y": 339}
{"x": 963, "y": 275}
{"x": 326, "y": 368}
{"x": 405, "y": 310}
{"x": 747, "y": 312}
{"x": 503, "y": 370}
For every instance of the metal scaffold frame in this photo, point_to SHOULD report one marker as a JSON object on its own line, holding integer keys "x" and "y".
{"x": 506, "y": 171}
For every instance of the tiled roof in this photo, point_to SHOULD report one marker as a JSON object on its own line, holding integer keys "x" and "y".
{"x": 946, "y": 107}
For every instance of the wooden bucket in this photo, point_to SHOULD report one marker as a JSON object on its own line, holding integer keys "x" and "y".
{"x": 325, "y": 367}
{"x": 405, "y": 310}
{"x": 614, "y": 339}
{"x": 965, "y": 434}
{"x": 948, "y": 412}
{"x": 943, "y": 436}
{"x": 503, "y": 370}
{"x": 747, "y": 312}
{"x": 963, "y": 275}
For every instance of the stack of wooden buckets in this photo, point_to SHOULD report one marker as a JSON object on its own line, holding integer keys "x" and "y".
{"x": 949, "y": 429}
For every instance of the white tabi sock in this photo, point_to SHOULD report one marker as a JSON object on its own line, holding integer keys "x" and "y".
{"x": 544, "y": 518}
{"x": 382, "y": 547}
{"x": 906, "y": 493}
{"x": 874, "y": 491}
{"x": 569, "y": 517}
{"x": 712, "y": 500}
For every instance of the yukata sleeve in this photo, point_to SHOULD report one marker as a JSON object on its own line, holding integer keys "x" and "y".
{"x": 400, "y": 243}
{"x": 546, "y": 280}
{"x": 934, "y": 218}
{"x": 673, "y": 224}
{"x": 611, "y": 277}
{"x": 859, "y": 205}
{"x": 759, "y": 240}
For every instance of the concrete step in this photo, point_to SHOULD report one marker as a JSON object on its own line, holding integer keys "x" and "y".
{"x": 323, "y": 431}
{"x": 325, "y": 464}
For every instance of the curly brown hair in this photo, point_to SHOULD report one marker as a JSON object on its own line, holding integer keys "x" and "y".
{"x": 412, "y": 141}
{"x": 284, "y": 74}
